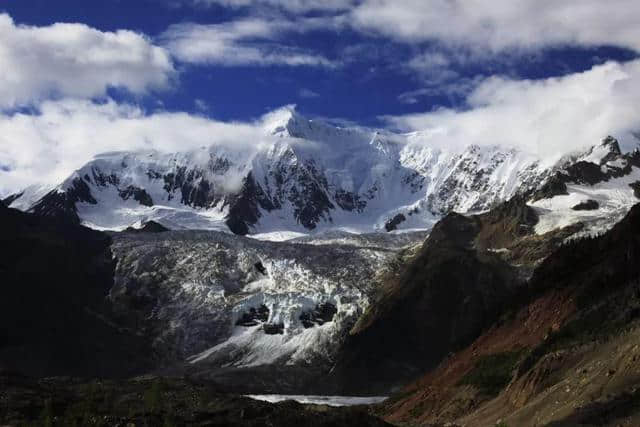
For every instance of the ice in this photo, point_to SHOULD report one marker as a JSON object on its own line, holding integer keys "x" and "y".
{"x": 320, "y": 400}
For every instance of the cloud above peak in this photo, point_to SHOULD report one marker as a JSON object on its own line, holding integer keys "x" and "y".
{"x": 504, "y": 24}
{"x": 246, "y": 41}
{"x": 492, "y": 26}
{"x": 547, "y": 117}
{"x": 75, "y": 60}
{"x": 47, "y": 146}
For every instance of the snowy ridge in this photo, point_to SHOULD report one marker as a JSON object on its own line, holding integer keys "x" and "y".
{"x": 305, "y": 176}
{"x": 595, "y": 188}
{"x": 308, "y": 176}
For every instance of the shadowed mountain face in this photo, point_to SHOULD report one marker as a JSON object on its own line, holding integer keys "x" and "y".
{"x": 54, "y": 316}
{"x": 440, "y": 301}
{"x": 569, "y": 342}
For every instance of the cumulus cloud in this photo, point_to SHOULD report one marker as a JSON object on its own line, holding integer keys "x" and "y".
{"x": 546, "y": 117}
{"x": 75, "y": 60}
{"x": 63, "y": 135}
{"x": 504, "y": 24}
{"x": 251, "y": 40}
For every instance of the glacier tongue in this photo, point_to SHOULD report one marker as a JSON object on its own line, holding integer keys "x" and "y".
{"x": 231, "y": 301}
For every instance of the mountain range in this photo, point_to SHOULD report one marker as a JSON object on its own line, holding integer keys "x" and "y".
{"x": 466, "y": 281}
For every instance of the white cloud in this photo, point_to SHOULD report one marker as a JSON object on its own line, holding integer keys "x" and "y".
{"x": 201, "y": 105}
{"x": 75, "y": 60}
{"x": 447, "y": 84}
{"x": 429, "y": 60}
{"x": 504, "y": 24}
{"x": 65, "y": 134}
{"x": 308, "y": 93}
{"x": 241, "y": 42}
{"x": 546, "y": 117}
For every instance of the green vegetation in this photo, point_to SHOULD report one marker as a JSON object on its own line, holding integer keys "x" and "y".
{"x": 493, "y": 372}
{"x": 46, "y": 418}
{"x": 153, "y": 397}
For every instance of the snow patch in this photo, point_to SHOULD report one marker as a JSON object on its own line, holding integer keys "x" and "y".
{"x": 320, "y": 400}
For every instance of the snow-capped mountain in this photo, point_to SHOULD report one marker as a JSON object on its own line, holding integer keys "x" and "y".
{"x": 304, "y": 175}
{"x": 309, "y": 175}
{"x": 595, "y": 188}
{"x": 212, "y": 300}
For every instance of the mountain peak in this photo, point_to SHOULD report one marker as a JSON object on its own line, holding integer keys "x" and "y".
{"x": 612, "y": 144}
{"x": 283, "y": 121}
{"x": 607, "y": 150}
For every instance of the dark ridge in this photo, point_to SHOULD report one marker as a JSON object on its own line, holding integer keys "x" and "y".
{"x": 321, "y": 314}
{"x": 195, "y": 190}
{"x": 587, "y": 205}
{"x": 273, "y": 328}
{"x": 244, "y": 209}
{"x": 393, "y": 223}
{"x": 438, "y": 303}
{"x": 254, "y": 316}
{"x": 589, "y": 173}
{"x": 636, "y": 188}
{"x": 148, "y": 227}
{"x": 311, "y": 203}
{"x": 261, "y": 268}
{"x": 10, "y": 199}
{"x": 597, "y": 264}
{"x": 139, "y": 194}
{"x": 555, "y": 186}
{"x": 55, "y": 318}
{"x": 61, "y": 205}
{"x": 585, "y": 173}
{"x": 349, "y": 201}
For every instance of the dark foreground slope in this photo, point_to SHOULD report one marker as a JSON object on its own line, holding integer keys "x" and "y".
{"x": 156, "y": 402}
{"x": 568, "y": 354}
{"x": 57, "y": 324}
{"x": 54, "y": 314}
{"x": 466, "y": 275}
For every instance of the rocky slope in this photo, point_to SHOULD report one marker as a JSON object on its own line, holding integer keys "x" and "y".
{"x": 564, "y": 353}
{"x": 468, "y": 272}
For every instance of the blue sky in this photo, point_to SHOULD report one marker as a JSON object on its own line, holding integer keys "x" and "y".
{"x": 372, "y": 78}
{"x": 541, "y": 75}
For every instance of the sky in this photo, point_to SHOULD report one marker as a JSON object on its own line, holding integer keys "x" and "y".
{"x": 78, "y": 78}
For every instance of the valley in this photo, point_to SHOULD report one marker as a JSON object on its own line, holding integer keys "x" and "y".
{"x": 495, "y": 302}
